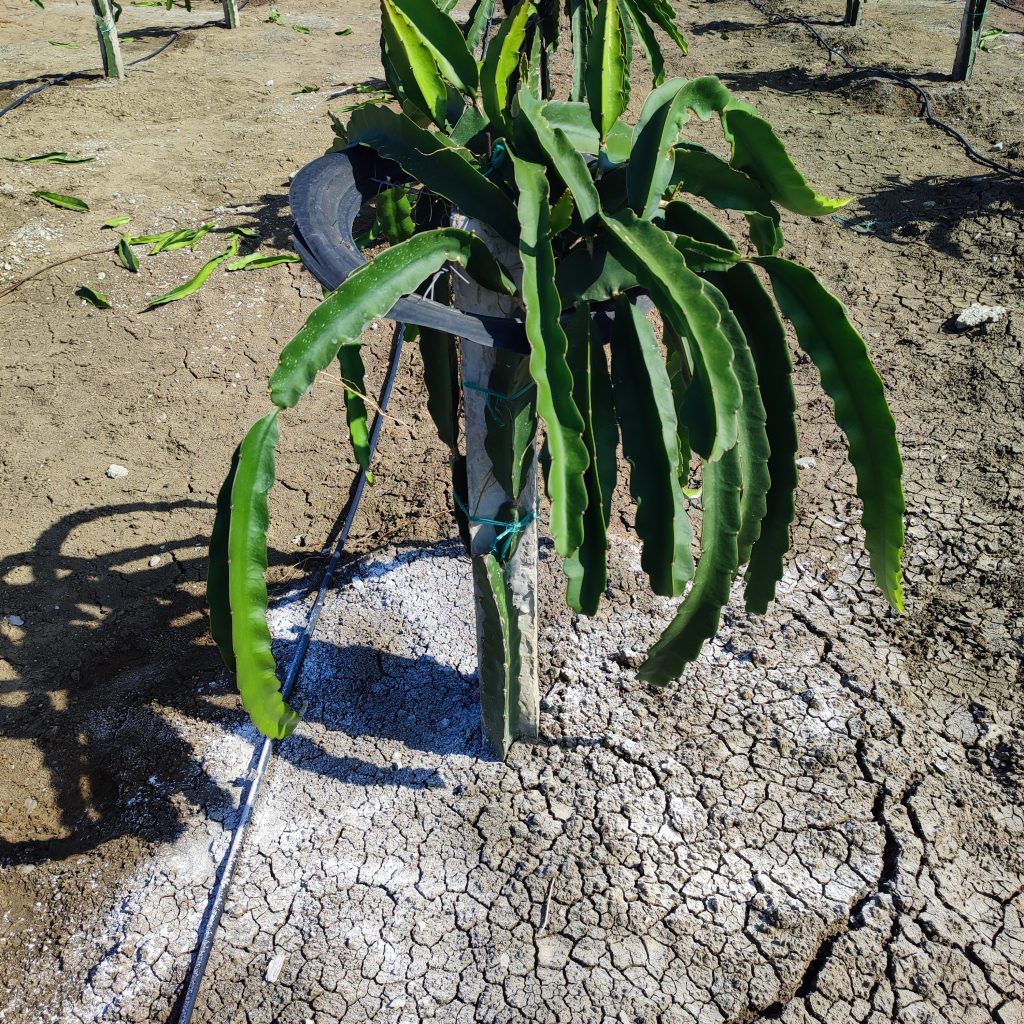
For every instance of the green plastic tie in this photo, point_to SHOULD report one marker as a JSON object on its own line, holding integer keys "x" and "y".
{"x": 498, "y": 156}
{"x": 497, "y": 401}
{"x": 510, "y": 529}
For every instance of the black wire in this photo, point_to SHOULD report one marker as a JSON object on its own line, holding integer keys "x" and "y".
{"x": 873, "y": 72}
{"x": 60, "y": 79}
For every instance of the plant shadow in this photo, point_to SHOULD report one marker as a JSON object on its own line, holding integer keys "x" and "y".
{"x": 106, "y": 661}
{"x": 936, "y": 211}
{"x": 98, "y": 644}
{"x": 269, "y": 216}
{"x": 726, "y": 25}
{"x": 381, "y": 706}
{"x": 378, "y": 699}
{"x": 58, "y": 78}
{"x": 831, "y": 77}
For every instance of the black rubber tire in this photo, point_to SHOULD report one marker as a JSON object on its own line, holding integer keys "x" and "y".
{"x": 326, "y": 196}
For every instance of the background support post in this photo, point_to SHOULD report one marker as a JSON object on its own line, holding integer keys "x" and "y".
{"x": 231, "y": 13}
{"x": 110, "y": 47}
{"x": 971, "y": 27}
{"x": 852, "y": 12}
{"x": 507, "y": 657}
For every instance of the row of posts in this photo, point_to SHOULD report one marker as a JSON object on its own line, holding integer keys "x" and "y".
{"x": 110, "y": 46}
{"x": 970, "y": 34}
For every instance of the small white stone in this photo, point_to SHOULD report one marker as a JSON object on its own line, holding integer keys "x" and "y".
{"x": 976, "y": 314}
{"x": 101, "y": 276}
{"x": 14, "y": 620}
{"x": 270, "y": 83}
{"x": 154, "y": 561}
{"x": 807, "y": 462}
{"x": 274, "y": 968}
{"x": 998, "y": 147}
{"x": 116, "y": 472}
{"x": 396, "y": 759}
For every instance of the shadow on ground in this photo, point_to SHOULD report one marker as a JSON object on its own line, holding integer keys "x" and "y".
{"x": 136, "y": 620}
{"x": 106, "y": 639}
{"x": 940, "y": 211}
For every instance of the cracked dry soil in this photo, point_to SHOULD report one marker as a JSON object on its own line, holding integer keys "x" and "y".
{"x": 822, "y": 822}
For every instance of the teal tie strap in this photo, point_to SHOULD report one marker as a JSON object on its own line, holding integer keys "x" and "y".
{"x": 498, "y": 156}
{"x": 497, "y": 401}
{"x": 510, "y": 529}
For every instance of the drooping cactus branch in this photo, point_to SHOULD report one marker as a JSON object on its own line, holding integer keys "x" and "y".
{"x": 607, "y": 219}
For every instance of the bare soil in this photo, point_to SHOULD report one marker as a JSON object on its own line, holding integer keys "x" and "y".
{"x": 122, "y": 738}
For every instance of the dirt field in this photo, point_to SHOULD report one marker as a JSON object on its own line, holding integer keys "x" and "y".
{"x": 121, "y": 737}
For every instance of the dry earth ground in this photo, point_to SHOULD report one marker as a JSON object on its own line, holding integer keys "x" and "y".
{"x": 822, "y": 823}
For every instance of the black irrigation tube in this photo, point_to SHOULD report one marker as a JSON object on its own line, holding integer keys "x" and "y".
{"x": 874, "y": 72}
{"x": 218, "y": 899}
{"x": 61, "y": 79}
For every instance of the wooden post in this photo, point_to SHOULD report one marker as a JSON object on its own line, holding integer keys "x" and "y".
{"x": 970, "y": 35}
{"x": 852, "y": 12}
{"x": 506, "y": 713}
{"x": 110, "y": 47}
{"x": 231, "y": 13}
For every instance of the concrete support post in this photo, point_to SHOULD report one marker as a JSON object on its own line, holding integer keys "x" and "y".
{"x": 970, "y": 35}
{"x": 484, "y": 502}
{"x": 231, "y": 13}
{"x": 110, "y": 47}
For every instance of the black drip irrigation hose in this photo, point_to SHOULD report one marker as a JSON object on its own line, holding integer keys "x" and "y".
{"x": 61, "y": 79}
{"x": 874, "y": 72}
{"x": 218, "y": 898}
